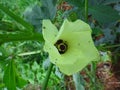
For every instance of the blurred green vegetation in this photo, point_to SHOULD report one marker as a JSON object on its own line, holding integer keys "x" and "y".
{"x": 27, "y": 59}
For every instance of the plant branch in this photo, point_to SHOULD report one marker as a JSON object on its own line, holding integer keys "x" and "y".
{"x": 112, "y": 46}
{"x": 86, "y": 11}
{"x": 47, "y": 77}
{"x": 29, "y": 53}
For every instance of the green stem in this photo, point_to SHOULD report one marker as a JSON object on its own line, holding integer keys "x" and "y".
{"x": 16, "y": 18}
{"x": 112, "y": 46}
{"x": 86, "y": 10}
{"x": 107, "y": 47}
{"x": 20, "y": 37}
{"x": 29, "y": 53}
{"x": 47, "y": 77}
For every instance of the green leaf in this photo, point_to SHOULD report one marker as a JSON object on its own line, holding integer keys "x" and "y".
{"x": 96, "y": 31}
{"x": 9, "y": 76}
{"x": 72, "y": 16}
{"x": 49, "y": 8}
{"x": 2, "y": 52}
{"x": 3, "y": 56}
{"x": 79, "y": 81}
{"x": 104, "y": 14}
{"x": 30, "y": 77}
{"x": 35, "y": 66}
{"x": 20, "y": 82}
{"x": 8, "y": 26}
{"x": 36, "y": 14}
{"x": 94, "y": 2}
{"x": 111, "y": 1}
{"x": 1, "y": 85}
{"x": 1, "y": 15}
{"x": 77, "y": 3}
{"x": 15, "y": 17}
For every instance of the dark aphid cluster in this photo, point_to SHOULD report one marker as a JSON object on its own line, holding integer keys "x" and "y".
{"x": 61, "y": 46}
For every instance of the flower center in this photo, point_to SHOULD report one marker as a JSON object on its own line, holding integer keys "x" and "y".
{"x": 61, "y": 46}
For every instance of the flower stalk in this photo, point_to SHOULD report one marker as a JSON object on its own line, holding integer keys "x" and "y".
{"x": 47, "y": 77}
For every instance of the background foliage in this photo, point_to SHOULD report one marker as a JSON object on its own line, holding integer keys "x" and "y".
{"x": 23, "y": 62}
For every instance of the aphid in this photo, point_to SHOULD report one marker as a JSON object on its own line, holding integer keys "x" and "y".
{"x": 61, "y": 46}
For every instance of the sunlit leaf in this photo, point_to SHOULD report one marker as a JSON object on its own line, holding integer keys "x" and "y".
{"x": 35, "y": 66}
{"x": 9, "y": 76}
